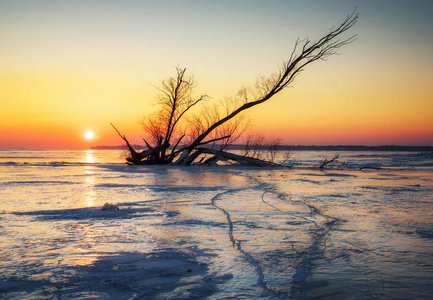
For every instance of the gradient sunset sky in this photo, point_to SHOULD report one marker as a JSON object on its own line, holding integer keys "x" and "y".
{"x": 71, "y": 66}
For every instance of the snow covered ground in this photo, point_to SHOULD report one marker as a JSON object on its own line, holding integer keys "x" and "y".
{"x": 215, "y": 232}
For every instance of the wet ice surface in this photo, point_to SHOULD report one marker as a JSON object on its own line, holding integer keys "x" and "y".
{"x": 216, "y": 233}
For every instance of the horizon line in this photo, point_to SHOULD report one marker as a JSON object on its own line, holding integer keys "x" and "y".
{"x": 234, "y": 146}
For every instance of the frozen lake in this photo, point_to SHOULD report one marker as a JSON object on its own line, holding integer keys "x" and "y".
{"x": 216, "y": 232}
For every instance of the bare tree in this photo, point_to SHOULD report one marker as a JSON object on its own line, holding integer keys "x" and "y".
{"x": 175, "y": 99}
{"x": 212, "y": 125}
{"x": 267, "y": 150}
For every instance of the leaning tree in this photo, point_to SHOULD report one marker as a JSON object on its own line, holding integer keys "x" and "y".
{"x": 179, "y": 136}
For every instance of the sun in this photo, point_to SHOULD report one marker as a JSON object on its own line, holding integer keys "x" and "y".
{"x": 89, "y": 135}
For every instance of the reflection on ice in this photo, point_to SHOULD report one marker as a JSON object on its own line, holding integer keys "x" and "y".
{"x": 89, "y": 156}
{"x": 89, "y": 194}
{"x": 85, "y": 250}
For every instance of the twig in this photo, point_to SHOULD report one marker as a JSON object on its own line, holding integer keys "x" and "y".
{"x": 327, "y": 161}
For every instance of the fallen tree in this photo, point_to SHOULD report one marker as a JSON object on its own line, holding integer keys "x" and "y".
{"x": 176, "y": 137}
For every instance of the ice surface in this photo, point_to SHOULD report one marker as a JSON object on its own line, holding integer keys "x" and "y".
{"x": 216, "y": 233}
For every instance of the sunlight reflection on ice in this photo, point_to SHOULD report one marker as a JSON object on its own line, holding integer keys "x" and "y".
{"x": 86, "y": 253}
{"x": 90, "y": 181}
{"x": 89, "y": 156}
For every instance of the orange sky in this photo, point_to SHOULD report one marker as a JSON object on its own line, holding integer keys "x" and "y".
{"x": 69, "y": 67}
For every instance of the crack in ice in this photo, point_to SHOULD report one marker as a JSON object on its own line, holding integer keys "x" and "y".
{"x": 303, "y": 269}
{"x": 237, "y": 244}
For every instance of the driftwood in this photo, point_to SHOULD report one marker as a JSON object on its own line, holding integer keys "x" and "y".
{"x": 219, "y": 155}
{"x": 146, "y": 157}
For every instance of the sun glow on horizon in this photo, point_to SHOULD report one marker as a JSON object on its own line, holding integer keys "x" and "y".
{"x": 89, "y": 135}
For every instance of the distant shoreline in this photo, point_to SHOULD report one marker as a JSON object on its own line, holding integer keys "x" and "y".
{"x": 309, "y": 148}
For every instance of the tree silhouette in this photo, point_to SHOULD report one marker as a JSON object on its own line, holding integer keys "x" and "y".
{"x": 221, "y": 122}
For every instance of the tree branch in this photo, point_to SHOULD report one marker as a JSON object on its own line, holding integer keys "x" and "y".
{"x": 318, "y": 50}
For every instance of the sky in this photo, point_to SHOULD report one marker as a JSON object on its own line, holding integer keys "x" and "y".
{"x": 67, "y": 67}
